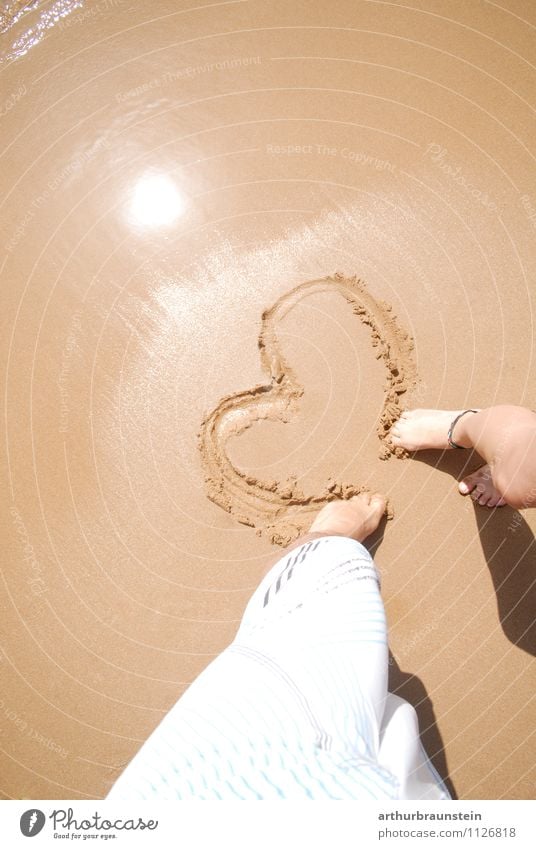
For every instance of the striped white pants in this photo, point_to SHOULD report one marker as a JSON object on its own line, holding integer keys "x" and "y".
{"x": 297, "y": 706}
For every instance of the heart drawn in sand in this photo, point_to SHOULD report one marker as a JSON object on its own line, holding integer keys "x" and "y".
{"x": 282, "y": 510}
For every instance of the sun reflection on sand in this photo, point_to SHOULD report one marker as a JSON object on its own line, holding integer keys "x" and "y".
{"x": 155, "y": 201}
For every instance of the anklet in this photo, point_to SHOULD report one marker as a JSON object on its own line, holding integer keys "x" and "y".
{"x": 453, "y": 425}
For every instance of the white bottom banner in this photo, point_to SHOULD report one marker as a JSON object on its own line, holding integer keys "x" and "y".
{"x": 285, "y": 825}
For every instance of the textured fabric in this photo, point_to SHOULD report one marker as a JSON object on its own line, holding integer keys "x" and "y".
{"x": 297, "y": 706}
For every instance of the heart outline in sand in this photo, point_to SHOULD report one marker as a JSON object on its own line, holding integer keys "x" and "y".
{"x": 282, "y": 510}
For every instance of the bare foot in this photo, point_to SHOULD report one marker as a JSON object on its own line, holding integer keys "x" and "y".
{"x": 356, "y": 518}
{"x": 479, "y": 485}
{"x": 419, "y": 429}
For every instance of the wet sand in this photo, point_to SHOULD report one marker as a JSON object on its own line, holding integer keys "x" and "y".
{"x": 186, "y": 380}
{"x": 280, "y": 507}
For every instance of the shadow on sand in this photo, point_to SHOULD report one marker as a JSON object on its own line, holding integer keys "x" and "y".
{"x": 509, "y": 548}
{"x": 409, "y": 687}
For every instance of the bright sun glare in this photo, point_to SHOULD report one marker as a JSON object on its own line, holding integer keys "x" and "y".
{"x": 156, "y": 201}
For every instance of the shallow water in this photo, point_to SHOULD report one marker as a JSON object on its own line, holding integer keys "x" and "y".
{"x": 170, "y": 172}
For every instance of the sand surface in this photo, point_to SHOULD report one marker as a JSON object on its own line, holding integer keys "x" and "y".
{"x": 236, "y": 240}
{"x": 278, "y": 507}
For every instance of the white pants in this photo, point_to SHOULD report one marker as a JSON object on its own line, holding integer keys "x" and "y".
{"x": 297, "y": 706}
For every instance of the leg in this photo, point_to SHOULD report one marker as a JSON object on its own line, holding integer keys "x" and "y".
{"x": 307, "y": 670}
{"x": 318, "y": 616}
{"x": 294, "y": 708}
{"x": 505, "y": 436}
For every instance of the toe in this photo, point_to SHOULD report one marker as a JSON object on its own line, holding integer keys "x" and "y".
{"x": 466, "y": 486}
{"x": 377, "y": 500}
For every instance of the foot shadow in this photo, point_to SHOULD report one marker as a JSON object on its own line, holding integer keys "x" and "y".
{"x": 510, "y": 551}
{"x": 509, "y": 547}
{"x": 412, "y": 689}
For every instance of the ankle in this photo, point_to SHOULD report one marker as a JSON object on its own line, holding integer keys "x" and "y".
{"x": 460, "y": 430}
